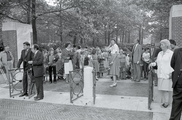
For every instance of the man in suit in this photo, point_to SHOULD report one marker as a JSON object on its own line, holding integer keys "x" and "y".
{"x": 176, "y": 64}
{"x": 136, "y": 60}
{"x": 26, "y": 55}
{"x": 38, "y": 71}
{"x": 173, "y": 44}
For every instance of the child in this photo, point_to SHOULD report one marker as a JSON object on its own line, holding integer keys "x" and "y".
{"x": 95, "y": 62}
{"x": 122, "y": 58}
{"x": 101, "y": 63}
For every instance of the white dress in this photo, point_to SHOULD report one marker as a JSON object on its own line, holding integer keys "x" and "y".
{"x": 164, "y": 70}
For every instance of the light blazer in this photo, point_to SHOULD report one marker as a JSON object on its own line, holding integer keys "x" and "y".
{"x": 37, "y": 65}
{"x": 136, "y": 53}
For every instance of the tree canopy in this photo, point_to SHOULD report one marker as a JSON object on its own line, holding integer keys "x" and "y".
{"x": 92, "y": 22}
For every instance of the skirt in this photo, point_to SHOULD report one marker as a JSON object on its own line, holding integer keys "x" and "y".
{"x": 68, "y": 67}
{"x": 165, "y": 84}
{"x": 95, "y": 65}
{"x": 115, "y": 67}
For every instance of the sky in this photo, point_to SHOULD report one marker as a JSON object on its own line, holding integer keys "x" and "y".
{"x": 51, "y": 2}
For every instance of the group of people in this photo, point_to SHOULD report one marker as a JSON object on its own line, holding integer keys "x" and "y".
{"x": 166, "y": 59}
{"x": 59, "y": 62}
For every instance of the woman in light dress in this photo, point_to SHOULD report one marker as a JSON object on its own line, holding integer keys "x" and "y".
{"x": 114, "y": 61}
{"x": 66, "y": 57}
{"x": 164, "y": 71}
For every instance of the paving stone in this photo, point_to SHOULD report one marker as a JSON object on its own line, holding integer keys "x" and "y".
{"x": 29, "y": 110}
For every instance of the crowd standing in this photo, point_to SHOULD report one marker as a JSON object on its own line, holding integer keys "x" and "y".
{"x": 108, "y": 60}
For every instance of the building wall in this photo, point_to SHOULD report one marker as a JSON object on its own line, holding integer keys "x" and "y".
{"x": 10, "y": 39}
{"x": 175, "y": 24}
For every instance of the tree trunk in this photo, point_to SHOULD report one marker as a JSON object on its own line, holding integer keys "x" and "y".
{"x": 1, "y": 32}
{"x": 61, "y": 22}
{"x": 129, "y": 36}
{"x": 105, "y": 36}
{"x": 139, "y": 34}
{"x": 74, "y": 40}
{"x": 93, "y": 42}
{"x": 34, "y": 22}
{"x": 123, "y": 36}
{"x": 116, "y": 36}
{"x": 28, "y": 11}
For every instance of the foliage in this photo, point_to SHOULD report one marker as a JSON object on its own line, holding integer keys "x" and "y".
{"x": 92, "y": 22}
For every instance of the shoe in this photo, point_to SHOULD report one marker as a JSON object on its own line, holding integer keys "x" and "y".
{"x": 165, "y": 105}
{"x": 24, "y": 94}
{"x": 113, "y": 85}
{"x": 55, "y": 82}
{"x": 50, "y": 82}
{"x": 38, "y": 99}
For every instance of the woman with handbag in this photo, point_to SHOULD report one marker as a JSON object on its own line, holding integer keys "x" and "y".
{"x": 114, "y": 62}
{"x": 164, "y": 71}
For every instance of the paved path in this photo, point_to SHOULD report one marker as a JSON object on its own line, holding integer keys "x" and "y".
{"x": 28, "y": 110}
{"x": 128, "y": 101}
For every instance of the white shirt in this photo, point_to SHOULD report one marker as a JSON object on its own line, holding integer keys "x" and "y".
{"x": 146, "y": 56}
{"x": 35, "y": 53}
{"x": 163, "y": 64}
{"x": 114, "y": 49}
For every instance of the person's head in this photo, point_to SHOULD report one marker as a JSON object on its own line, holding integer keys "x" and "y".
{"x": 94, "y": 51}
{"x": 52, "y": 52}
{"x": 165, "y": 44}
{"x": 136, "y": 41}
{"x": 78, "y": 47}
{"x": 26, "y": 45}
{"x": 35, "y": 47}
{"x": 113, "y": 41}
{"x": 58, "y": 50}
{"x": 147, "y": 50}
{"x": 173, "y": 43}
{"x": 68, "y": 45}
{"x": 1, "y": 48}
{"x": 6, "y": 48}
{"x": 74, "y": 47}
{"x": 121, "y": 51}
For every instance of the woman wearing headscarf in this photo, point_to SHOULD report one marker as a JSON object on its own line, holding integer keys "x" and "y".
{"x": 114, "y": 61}
{"x": 164, "y": 71}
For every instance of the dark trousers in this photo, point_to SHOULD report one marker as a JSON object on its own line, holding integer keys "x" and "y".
{"x": 177, "y": 103}
{"x": 39, "y": 86}
{"x": 25, "y": 82}
{"x": 145, "y": 68}
{"x": 136, "y": 72}
{"x": 52, "y": 69}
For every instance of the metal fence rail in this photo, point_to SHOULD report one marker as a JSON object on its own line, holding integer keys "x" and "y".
{"x": 150, "y": 88}
{"x": 76, "y": 84}
{"x": 14, "y": 80}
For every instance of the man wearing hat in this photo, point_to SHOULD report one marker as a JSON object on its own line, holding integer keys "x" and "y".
{"x": 26, "y": 55}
